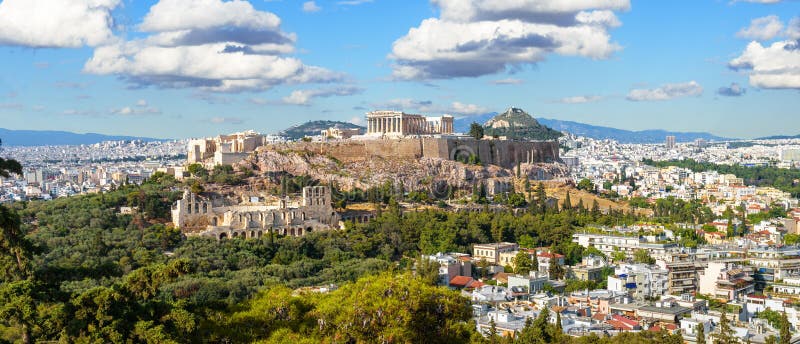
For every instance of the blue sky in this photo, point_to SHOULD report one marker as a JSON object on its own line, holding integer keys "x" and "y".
{"x": 190, "y": 68}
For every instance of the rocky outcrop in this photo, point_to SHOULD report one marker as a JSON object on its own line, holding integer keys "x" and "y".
{"x": 433, "y": 174}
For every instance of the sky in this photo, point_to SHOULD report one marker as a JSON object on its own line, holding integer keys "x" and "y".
{"x": 194, "y": 68}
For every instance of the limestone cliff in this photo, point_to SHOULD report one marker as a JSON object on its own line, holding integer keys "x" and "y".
{"x": 362, "y": 170}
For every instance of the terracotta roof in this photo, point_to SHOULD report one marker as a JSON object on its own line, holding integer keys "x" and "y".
{"x": 628, "y": 322}
{"x": 618, "y": 325}
{"x": 460, "y": 281}
{"x": 476, "y": 284}
{"x": 599, "y": 316}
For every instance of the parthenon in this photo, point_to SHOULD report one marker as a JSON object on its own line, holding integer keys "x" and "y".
{"x": 402, "y": 124}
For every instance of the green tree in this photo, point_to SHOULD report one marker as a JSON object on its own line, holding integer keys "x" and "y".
{"x": 586, "y": 185}
{"x": 556, "y": 271}
{"x": 701, "y": 333}
{"x": 197, "y": 187}
{"x": 17, "y": 286}
{"x": 567, "y": 205}
{"x": 526, "y": 241}
{"x": 618, "y": 256}
{"x": 197, "y": 170}
{"x": 726, "y": 334}
{"x": 476, "y": 130}
{"x": 391, "y": 308}
{"x": 523, "y": 263}
{"x": 785, "y": 330}
{"x": 642, "y": 256}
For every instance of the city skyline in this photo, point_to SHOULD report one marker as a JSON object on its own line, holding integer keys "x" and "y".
{"x": 725, "y": 67}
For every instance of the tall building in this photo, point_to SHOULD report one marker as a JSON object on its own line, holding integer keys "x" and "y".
{"x": 670, "y": 142}
{"x": 701, "y": 143}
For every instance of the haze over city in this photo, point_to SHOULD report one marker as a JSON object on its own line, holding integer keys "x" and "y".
{"x": 181, "y": 68}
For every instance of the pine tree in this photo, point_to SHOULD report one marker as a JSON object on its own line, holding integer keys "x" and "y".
{"x": 567, "y": 205}
{"x": 726, "y": 334}
{"x": 595, "y": 209}
{"x": 540, "y": 325}
{"x": 493, "y": 338}
{"x": 701, "y": 333}
{"x": 786, "y": 335}
{"x": 541, "y": 197}
{"x": 559, "y": 327}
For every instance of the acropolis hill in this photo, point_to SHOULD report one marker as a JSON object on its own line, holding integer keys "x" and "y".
{"x": 507, "y": 154}
{"x": 419, "y": 151}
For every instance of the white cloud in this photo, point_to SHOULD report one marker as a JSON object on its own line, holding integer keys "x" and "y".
{"x": 358, "y": 120}
{"x": 667, "y": 92}
{"x": 226, "y": 120}
{"x": 56, "y": 24}
{"x": 466, "y": 109}
{"x": 508, "y": 81}
{"x": 762, "y": 29}
{"x": 176, "y": 15}
{"x": 311, "y": 6}
{"x": 775, "y": 66}
{"x": 580, "y": 99}
{"x": 793, "y": 29}
{"x": 428, "y": 107}
{"x": 353, "y": 2}
{"x": 74, "y": 112}
{"x": 734, "y": 90}
{"x": 478, "y": 37}
{"x": 141, "y": 108}
{"x": 760, "y": 1}
{"x": 303, "y": 97}
{"x": 211, "y": 45}
{"x": 11, "y": 106}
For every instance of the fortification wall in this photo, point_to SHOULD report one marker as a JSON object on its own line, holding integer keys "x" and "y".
{"x": 496, "y": 152}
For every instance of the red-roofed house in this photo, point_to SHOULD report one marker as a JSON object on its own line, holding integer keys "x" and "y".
{"x": 461, "y": 282}
{"x": 545, "y": 259}
{"x": 624, "y": 323}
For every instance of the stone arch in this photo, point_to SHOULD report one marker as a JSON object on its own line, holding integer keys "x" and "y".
{"x": 309, "y": 230}
{"x": 223, "y": 236}
{"x": 252, "y": 234}
{"x": 214, "y": 221}
{"x": 260, "y": 234}
{"x": 235, "y": 234}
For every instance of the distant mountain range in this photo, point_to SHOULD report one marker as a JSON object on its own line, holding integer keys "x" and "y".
{"x": 58, "y": 138}
{"x": 599, "y": 132}
{"x": 313, "y": 128}
{"x": 779, "y": 137}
